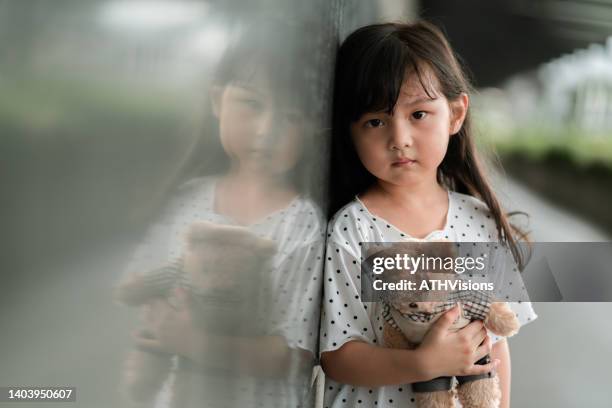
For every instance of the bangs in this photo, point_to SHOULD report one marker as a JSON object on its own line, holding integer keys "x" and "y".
{"x": 257, "y": 57}
{"x": 373, "y": 80}
{"x": 273, "y": 58}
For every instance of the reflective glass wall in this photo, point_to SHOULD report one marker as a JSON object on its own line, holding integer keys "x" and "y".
{"x": 164, "y": 193}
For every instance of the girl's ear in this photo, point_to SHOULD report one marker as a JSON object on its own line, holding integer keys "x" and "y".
{"x": 216, "y": 92}
{"x": 459, "y": 108}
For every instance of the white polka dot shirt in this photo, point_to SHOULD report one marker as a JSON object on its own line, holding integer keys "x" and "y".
{"x": 293, "y": 286}
{"x": 345, "y": 317}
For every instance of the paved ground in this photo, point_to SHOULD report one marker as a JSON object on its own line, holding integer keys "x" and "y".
{"x": 548, "y": 222}
{"x": 564, "y": 358}
{"x": 62, "y": 329}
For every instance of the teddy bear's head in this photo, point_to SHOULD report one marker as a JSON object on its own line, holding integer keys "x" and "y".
{"x": 419, "y": 300}
{"x": 223, "y": 256}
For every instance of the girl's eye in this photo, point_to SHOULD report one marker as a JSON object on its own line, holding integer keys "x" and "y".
{"x": 294, "y": 117}
{"x": 418, "y": 115}
{"x": 374, "y": 123}
{"x": 251, "y": 103}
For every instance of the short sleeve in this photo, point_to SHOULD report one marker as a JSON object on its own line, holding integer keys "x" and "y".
{"x": 524, "y": 312}
{"x": 152, "y": 252}
{"x": 296, "y": 308}
{"x": 344, "y": 316}
{"x": 511, "y": 289}
{"x": 161, "y": 243}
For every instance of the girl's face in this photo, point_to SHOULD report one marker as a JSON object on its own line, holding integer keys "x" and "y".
{"x": 260, "y": 133}
{"x": 407, "y": 146}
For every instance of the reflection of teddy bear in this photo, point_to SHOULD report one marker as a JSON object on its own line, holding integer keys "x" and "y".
{"x": 409, "y": 314}
{"x": 221, "y": 270}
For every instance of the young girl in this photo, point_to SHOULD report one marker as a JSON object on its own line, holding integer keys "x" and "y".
{"x": 264, "y": 355}
{"x": 405, "y": 167}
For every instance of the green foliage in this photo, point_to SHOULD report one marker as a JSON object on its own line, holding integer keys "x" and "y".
{"x": 577, "y": 146}
{"x": 42, "y": 105}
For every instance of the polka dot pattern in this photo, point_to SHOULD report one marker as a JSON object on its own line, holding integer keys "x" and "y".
{"x": 345, "y": 317}
{"x": 293, "y": 285}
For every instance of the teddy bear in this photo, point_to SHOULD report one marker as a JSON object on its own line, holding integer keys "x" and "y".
{"x": 408, "y": 315}
{"x": 221, "y": 270}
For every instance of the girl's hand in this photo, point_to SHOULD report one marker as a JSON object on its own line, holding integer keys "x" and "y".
{"x": 446, "y": 353}
{"x": 172, "y": 330}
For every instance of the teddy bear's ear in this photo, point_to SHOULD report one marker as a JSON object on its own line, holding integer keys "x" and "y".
{"x": 200, "y": 231}
{"x": 134, "y": 290}
{"x": 204, "y": 231}
{"x": 443, "y": 247}
{"x": 240, "y": 238}
{"x": 372, "y": 248}
{"x": 502, "y": 320}
{"x": 262, "y": 246}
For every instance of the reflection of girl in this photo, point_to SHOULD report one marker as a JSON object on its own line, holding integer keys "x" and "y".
{"x": 263, "y": 127}
{"x": 406, "y": 167}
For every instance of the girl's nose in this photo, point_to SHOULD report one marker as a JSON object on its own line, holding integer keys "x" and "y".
{"x": 266, "y": 129}
{"x": 266, "y": 122}
{"x": 401, "y": 137}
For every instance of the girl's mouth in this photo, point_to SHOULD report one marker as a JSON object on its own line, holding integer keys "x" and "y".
{"x": 259, "y": 152}
{"x": 403, "y": 162}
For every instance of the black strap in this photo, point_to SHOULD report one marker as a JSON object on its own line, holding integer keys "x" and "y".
{"x": 437, "y": 384}
{"x": 467, "y": 378}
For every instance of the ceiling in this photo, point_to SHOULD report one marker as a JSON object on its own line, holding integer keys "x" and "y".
{"x": 500, "y": 38}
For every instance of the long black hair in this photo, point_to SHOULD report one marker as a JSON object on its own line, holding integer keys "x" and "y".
{"x": 279, "y": 50}
{"x": 264, "y": 46}
{"x": 371, "y": 66}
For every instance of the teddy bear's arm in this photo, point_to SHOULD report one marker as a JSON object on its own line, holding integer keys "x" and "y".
{"x": 138, "y": 288}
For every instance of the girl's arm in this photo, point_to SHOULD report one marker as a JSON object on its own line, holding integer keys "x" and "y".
{"x": 175, "y": 333}
{"x": 442, "y": 353}
{"x": 362, "y": 364}
{"x": 267, "y": 356}
{"x": 501, "y": 351}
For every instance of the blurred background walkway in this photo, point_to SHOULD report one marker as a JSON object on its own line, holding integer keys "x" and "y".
{"x": 561, "y": 359}
{"x": 547, "y": 222}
